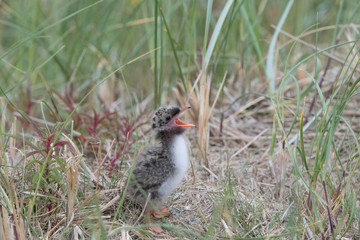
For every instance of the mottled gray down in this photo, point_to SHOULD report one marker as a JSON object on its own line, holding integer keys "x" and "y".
{"x": 151, "y": 170}
{"x": 162, "y": 117}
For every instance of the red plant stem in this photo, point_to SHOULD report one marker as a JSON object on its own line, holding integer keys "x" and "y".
{"x": 308, "y": 202}
{"x": 221, "y": 123}
{"x": 14, "y": 226}
{"x": 320, "y": 83}
{"x": 328, "y": 209}
{"x": 322, "y": 79}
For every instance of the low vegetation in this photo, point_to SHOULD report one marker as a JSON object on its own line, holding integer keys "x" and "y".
{"x": 274, "y": 91}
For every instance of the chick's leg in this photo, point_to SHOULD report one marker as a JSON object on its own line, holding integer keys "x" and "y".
{"x": 148, "y": 221}
{"x": 164, "y": 212}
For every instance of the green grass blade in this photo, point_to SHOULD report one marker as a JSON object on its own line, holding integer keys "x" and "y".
{"x": 216, "y": 33}
{"x": 171, "y": 40}
{"x": 271, "y": 52}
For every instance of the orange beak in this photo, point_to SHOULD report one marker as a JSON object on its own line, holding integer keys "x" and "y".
{"x": 180, "y": 123}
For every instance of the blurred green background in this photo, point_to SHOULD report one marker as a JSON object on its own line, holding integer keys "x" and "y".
{"x": 50, "y": 44}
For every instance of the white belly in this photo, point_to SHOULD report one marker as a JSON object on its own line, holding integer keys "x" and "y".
{"x": 181, "y": 160}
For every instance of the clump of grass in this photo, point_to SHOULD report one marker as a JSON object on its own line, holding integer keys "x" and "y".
{"x": 324, "y": 177}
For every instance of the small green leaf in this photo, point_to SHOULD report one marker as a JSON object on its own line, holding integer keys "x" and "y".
{"x": 57, "y": 175}
{"x": 35, "y": 178}
{"x": 61, "y": 162}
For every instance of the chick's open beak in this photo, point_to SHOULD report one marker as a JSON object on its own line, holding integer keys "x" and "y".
{"x": 181, "y": 123}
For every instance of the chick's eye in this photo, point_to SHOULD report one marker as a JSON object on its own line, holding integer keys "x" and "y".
{"x": 168, "y": 118}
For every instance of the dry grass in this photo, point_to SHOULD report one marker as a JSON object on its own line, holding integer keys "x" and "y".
{"x": 239, "y": 192}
